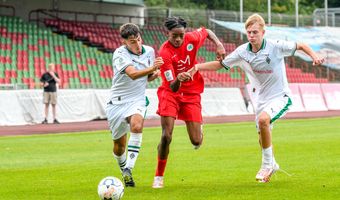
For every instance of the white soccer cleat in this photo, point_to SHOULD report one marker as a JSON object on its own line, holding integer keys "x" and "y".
{"x": 264, "y": 174}
{"x": 158, "y": 182}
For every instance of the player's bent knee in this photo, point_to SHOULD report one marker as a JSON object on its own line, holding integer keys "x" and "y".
{"x": 264, "y": 121}
{"x": 137, "y": 128}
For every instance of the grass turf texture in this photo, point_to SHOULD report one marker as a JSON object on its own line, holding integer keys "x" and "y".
{"x": 69, "y": 166}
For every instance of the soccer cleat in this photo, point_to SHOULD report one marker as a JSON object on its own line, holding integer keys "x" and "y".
{"x": 264, "y": 174}
{"x": 55, "y": 121}
{"x": 127, "y": 177}
{"x": 45, "y": 121}
{"x": 158, "y": 182}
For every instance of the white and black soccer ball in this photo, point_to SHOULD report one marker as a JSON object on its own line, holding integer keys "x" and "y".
{"x": 110, "y": 188}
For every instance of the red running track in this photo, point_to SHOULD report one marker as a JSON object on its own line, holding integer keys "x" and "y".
{"x": 102, "y": 124}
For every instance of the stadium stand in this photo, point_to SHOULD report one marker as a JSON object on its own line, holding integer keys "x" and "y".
{"x": 295, "y": 75}
{"x": 81, "y": 43}
{"x": 100, "y": 35}
{"x": 82, "y": 53}
{"x": 26, "y": 49}
{"x": 106, "y": 38}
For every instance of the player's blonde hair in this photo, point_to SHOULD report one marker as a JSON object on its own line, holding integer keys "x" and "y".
{"x": 255, "y": 18}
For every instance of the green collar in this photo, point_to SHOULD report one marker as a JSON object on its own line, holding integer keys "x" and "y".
{"x": 143, "y": 51}
{"x": 263, "y": 45}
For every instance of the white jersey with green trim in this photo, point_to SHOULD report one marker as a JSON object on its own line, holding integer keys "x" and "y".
{"x": 265, "y": 69}
{"x": 124, "y": 89}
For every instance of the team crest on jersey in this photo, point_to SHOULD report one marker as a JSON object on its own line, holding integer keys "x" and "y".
{"x": 120, "y": 60}
{"x": 190, "y": 47}
{"x": 268, "y": 59}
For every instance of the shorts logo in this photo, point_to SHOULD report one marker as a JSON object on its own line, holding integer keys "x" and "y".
{"x": 273, "y": 111}
{"x": 168, "y": 75}
{"x": 190, "y": 47}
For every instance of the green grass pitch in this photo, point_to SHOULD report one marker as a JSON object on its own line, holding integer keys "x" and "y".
{"x": 69, "y": 166}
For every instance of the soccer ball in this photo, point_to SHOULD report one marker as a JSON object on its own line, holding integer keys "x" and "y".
{"x": 110, "y": 188}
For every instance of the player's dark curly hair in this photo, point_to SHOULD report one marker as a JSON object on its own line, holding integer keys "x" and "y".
{"x": 175, "y": 22}
{"x": 129, "y": 29}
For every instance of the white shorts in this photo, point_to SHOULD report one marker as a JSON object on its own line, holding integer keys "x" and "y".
{"x": 117, "y": 113}
{"x": 275, "y": 108}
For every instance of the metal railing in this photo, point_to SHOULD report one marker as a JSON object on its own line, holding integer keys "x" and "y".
{"x": 8, "y": 8}
{"x": 332, "y": 18}
{"x": 40, "y": 14}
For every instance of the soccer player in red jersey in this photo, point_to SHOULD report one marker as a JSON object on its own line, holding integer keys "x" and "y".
{"x": 180, "y": 94}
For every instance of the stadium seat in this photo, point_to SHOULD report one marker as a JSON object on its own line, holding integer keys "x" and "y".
{"x": 78, "y": 64}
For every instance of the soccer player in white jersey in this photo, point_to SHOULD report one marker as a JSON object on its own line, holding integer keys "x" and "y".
{"x": 133, "y": 65}
{"x": 263, "y": 62}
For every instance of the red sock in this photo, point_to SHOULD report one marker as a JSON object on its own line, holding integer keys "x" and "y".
{"x": 160, "y": 167}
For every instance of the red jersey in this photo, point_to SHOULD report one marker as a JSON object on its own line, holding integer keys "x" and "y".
{"x": 181, "y": 59}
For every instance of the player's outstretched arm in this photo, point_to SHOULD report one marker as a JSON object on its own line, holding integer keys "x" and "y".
{"x": 220, "y": 51}
{"x": 309, "y": 51}
{"x": 208, "y": 66}
{"x": 134, "y": 73}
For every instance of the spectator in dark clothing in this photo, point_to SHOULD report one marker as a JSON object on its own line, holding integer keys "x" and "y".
{"x": 49, "y": 80}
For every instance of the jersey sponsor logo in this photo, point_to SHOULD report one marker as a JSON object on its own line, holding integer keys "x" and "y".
{"x": 267, "y": 71}
{"x": 190, "y": 47}
{"x": 168, "y": 75}
{"x": 180, "y": 63}
{"x": 181, "y": 69}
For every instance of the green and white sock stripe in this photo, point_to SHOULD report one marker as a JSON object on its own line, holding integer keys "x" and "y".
{"x": 121, "y": 160}
{"x": 133, "y": 148}
{"x": 122, "y": 165}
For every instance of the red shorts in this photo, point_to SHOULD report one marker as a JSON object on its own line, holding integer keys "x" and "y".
{"x": 185, "y": 106}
